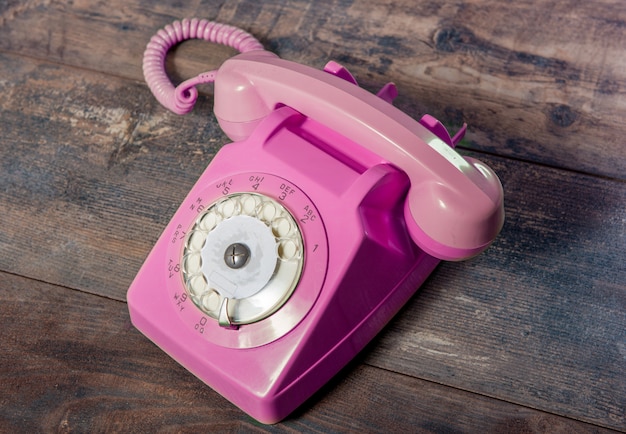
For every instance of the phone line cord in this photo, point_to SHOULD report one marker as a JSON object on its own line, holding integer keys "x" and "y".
{"x": 181, "y": 99}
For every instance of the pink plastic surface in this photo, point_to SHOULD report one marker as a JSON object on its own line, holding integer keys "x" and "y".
{"x": 362, "y": 267}
{"x": 379, "y": 197}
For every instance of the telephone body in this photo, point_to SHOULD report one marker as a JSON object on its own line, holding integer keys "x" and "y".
{"x": 308, "y": 233}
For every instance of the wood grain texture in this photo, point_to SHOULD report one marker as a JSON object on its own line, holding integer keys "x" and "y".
{"x": 93, "y": 372}
{"x": 540, "y": 81}
{"x": 528, "y": 337}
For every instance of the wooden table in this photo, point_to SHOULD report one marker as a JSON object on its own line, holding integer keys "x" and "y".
{"x": 528, "y": 337}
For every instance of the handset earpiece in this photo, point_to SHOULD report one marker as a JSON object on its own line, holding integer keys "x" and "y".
{"x": 454, "y": 208}
{"x": 238, "y": 106}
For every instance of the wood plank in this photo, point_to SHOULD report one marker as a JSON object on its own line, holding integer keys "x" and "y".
{"x": 544, "y": 83}
{"x": 90, "y": 177}
{"x": 71, "y": 361}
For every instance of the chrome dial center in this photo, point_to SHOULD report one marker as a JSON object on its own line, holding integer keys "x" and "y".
{"x": 236, "y": 255}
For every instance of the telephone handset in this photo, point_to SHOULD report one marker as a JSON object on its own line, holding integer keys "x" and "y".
{"x": 306, "y": 235}
{"x": 454, "y": 207}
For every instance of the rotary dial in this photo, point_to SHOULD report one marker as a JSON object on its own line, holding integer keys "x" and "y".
{"x": 242, "y": 259}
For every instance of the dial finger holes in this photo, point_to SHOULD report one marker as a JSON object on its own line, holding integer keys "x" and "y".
{"x": 196, "y": 241}
{"x": 267, "y": 211}
{"x": 192, "y": 262}
{"x": 210, "y": 301}
{"x": 249, "y": 204}
{"x": 197, "y": 284}
{"x": 288, "y": 250}
{"x": 229, "y": 207}
{"x": 209, "y": 221}
{"x": 281, "y": 227}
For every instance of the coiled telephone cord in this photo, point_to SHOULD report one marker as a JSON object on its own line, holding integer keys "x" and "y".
{"x": 181, "y": 99}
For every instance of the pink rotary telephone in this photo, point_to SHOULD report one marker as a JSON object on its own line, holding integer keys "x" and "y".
{"x": 304, "y": 236}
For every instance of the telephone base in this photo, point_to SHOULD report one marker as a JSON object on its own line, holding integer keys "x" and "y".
{"x": 360, "y": 266}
